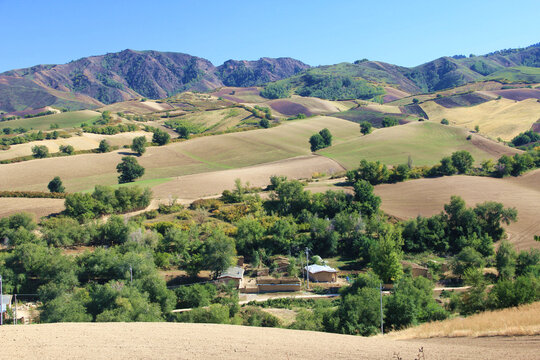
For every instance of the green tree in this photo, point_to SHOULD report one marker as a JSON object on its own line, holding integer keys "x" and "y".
{"x": 367, "y": 202}
{"x": 386, "y": 255}
{"x": 139, "y": 145}
{"x": 264, "y": 123}
{"x": 505, "y": 260}
{"x": 326, "y": 136}
{"x": 462, "y": 161}
{"x": 365, "y": 127}
{"x": 55, "y": 185}
{"x": 218, "y": 252}
{"x": 389, "y": 122}
{"x": 447, "y": 168}
{"x": 160, "y": 137}
{"x": 67, "y": 149}
{"x": 40, "y": 151}
{"x": 104, "y": 146}
{"x": 129, "y": 170}
{"x": 316, "y": 142}
{"x": 468, "y": 258}
{"x": 68, "y": 307}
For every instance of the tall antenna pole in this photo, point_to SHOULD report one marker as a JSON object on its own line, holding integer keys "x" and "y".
{"x": 1, "y": 305}
{"x": 382, "y": 329}
{"x": 15, "y": 317}
{"x": 131, "y": 274}
{"x": 307, "y": 267}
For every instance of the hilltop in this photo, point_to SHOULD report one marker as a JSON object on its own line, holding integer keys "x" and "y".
{"x": 91, "y": 82}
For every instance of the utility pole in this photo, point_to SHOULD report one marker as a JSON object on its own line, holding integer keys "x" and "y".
{"x": 1, "y": 305}
{"x": 15, "y": 317}
{"x": 131, "y": 274}
{"x": 382, "y": 329}
{"x": 307, "y": 267}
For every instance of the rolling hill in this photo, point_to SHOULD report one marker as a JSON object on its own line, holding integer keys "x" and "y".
{"x": 105, "y": 79}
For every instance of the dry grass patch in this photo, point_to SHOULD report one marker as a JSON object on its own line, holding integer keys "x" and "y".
{"x": 519, "y": 321}
{"x": 38, "y": 207}
{"x": 498, "y": 118}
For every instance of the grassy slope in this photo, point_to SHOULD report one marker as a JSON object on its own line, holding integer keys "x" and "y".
{"x": 517, "y": 74}
{"x": 498, "y": 118}
{"x": 203, "y": 154}
{"x": 425, "y": 142}
{"x": 64, "y": 120}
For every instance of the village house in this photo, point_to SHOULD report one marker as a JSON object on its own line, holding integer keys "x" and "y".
{"x": 321, "y": 273}
{"x": 234, "y": 274}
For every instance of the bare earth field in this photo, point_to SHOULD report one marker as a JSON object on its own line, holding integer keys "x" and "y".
{"x": 38, "y": 207}
{"x": 86, "y": 141}
{"x": 204, "y": 154}
{"x": 210, "y": 341}
{"x": 212, "y": 183}
{"x": 427, "y": 197}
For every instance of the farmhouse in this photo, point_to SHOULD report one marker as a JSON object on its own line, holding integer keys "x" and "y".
{"x": 321, "y": 273}
{"x": 234, "y": 273}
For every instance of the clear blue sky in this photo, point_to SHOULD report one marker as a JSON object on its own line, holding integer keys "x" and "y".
{"x": 317, "y": 32}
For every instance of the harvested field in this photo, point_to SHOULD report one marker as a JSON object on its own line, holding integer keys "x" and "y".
{"x": 497, "y": 118}
{"x": 375, "y": 117}
{"x": 137, "y": 107}
{"x": 198, "y": 155}
{"x": 38, "y": 207}
{"x": 305, "y": 105}
{"x": 86, "y": 141}
{"x": 427, "y": 197}
{"x": 393, "y": 94}
{"x": 518, "y": 321}
{"x": 425, "y": 142}
{"x": 64, "y": 120}
{"x": 211, "y": 341}
{"x": 217, "y": 120}
{"x": 458, "y": 100}
{"x": 212, "y": 183}
{"x": 517, "y": 94}
{"x": 241, "y": 95}
{"x": 382, "y": 108}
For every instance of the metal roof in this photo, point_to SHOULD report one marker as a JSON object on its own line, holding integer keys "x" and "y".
{"x": 320, "y": 268}
{"x": 235, "y": 272}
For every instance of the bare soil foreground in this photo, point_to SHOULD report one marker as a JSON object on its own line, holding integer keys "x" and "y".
{"x": 427, "y": 197}
{"x": 209, "y": 341}
{"x": 212, "y": 183}
{"x": 38, "y": 207}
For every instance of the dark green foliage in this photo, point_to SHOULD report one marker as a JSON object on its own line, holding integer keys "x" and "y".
{"x": 254, "y": 316}
{"x": 467, "y": 259}
{"x": 316, "y": 142}
{"x": 68, "y": 307}
{"x": 505, "y": 260}
{"x": 160, "y": 137}
{"x": 275, "y": 91}
{"x": 462, "y": 161}
{"x": 528, "y": 262}
{"x": 40, "y": 151}
{"x": 386, "y": 254}
{"x": 218, "y": 252}
{"x": 367, "y": 202}
{"x": 105, "y": 200}
{"x": 327, "y": 137}
{"x": 129, "y": 170}
{"x": 359, "y": 313}
{"x": 365, "y": 127}
{"x": 65, "y": 231}
{"x": 139, "y": 145}
{"x": 264, "y": 123}
{"x": 104, "y": 146}
{"x": 373, "y": 172}
{"x": 411, "y": 303}
{"x": 388, "y": 122}
{"x": 336, "y": 87}
{"x": 55, "y": 185}
{"x": 445, "y": 122}
{"x": 109, "y": 129}
{"x": 525, "y": 138}
{"x": 197, "y": 295}
{"x": 67, "y": 149}
{"x": 509, "y": 293}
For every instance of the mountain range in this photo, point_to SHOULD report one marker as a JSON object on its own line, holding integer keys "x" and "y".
{"x": 96, "y": 80}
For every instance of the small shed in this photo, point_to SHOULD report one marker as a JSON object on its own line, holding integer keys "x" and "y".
{"x": 321, "y": 273}
{"x": 234, "y": 273}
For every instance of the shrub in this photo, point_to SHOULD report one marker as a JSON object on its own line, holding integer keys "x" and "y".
{"x": 445, "y": 122}
{"x": 40, "y": 151}
{"x": 55, "y": 185}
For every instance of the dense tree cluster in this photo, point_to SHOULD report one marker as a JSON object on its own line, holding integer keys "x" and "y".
{"x": 320, "y": 140}
{"x": 275, "y": 91}
{"x": 336, "y": 87}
